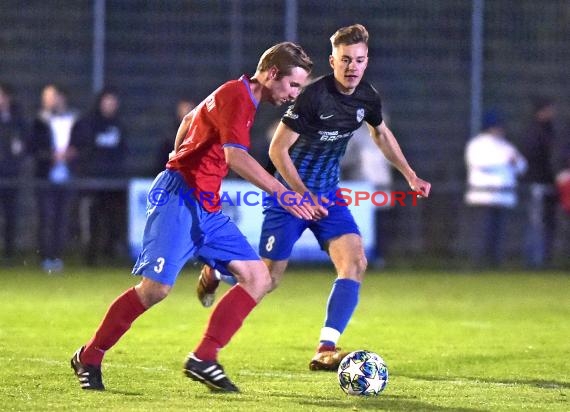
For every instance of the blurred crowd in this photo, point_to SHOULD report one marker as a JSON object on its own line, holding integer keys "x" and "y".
{"x": 495, "y": 166}
{"x": 79, "y": 178}
{"x": 62, "y": 145}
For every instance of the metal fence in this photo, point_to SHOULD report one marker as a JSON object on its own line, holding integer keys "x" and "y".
{"x": 437, "y": 64}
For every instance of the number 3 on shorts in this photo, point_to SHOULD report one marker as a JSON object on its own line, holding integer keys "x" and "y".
{"x": 270, "y": 243}
{"x": 159, "y": 265}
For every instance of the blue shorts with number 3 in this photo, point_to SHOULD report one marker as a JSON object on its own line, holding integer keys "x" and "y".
{"x": 178, "y": 229}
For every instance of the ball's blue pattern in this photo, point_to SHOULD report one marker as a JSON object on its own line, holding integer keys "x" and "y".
{"x": 362, "y": 373}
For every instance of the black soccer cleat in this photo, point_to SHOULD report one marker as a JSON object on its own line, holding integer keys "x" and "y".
{"x": 89, "y": 375}
{"x": 209, "y": 373}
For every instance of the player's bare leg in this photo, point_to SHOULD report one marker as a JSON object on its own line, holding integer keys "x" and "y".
{"x": 209, "y": 280}
{"x": 347, "y": 255}
{"x": 276, "y": 271}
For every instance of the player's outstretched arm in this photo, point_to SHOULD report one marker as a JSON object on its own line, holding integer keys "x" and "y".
{"x": 386, "y": 141}
{"x": 247, "y": 167}
{"x": 282, "y": 141}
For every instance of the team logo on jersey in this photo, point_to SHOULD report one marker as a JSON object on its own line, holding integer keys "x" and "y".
{"x": 359, "y": 115}
{"x": 290, "y": 114}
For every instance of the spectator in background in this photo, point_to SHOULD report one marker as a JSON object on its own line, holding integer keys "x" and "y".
{"x": 363, "y": 162}
{"x": 49, "y": 147}
{"x": 12, "y": 134}
{"x": 538, "y": 150}
{"x": 99, "y": 139}
{"x": 493, "y": 165}
{"x": 183, "y": 107}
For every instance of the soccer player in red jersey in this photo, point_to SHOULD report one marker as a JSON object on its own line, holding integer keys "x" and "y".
{"x": 184, "y": 218}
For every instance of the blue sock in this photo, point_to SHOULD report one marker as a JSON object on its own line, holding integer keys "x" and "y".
{"x": 342, "y": 303}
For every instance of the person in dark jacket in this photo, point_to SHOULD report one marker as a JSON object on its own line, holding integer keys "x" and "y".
{"x": 49, "y": 146}
{"x": 99, "y": 138}
{"x": 538, "y": 149}
{"x": 12, "y": 133}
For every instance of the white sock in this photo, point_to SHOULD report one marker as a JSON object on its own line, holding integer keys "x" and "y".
{"x": 329, "y": 335}
{"x": 230, "y": 280}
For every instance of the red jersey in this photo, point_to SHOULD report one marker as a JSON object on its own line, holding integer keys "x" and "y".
{"x": 223, "y": 119}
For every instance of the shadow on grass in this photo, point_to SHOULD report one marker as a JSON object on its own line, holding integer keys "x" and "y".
{"x": 119, "y": 392}
{"x": 386, "y": 402}
{"x": 537, "y": 383}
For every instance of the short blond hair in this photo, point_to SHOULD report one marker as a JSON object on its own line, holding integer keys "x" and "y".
{"x": 285, "y": 56}
{"x": 349, "y": 35}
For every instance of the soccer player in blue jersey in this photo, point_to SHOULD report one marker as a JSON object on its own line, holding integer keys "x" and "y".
{"x": 306, "y": 150}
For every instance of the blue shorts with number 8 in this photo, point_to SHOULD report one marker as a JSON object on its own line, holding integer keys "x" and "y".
{"x": 281, "y": 230}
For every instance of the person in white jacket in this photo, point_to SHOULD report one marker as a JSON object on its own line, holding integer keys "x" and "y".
{"x": 493, "y": 166}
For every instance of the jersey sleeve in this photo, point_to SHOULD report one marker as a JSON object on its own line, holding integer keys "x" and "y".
{"x": 374, "y": 112}
{"x": 234, "y": 121}
{"x": 300, "y": 115}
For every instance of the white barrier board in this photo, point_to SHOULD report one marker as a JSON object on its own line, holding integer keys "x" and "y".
{"x": 243, "y": 203}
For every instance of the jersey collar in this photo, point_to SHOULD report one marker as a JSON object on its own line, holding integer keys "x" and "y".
{"x": 245, "y": 80}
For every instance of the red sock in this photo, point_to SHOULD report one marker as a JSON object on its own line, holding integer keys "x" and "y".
{"x": 118, "y": 319}
{"x": 326, "y": 347}
{"x": 225, "y": 321}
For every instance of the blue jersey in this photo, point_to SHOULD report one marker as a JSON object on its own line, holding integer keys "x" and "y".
{"x": 326, "y": 120}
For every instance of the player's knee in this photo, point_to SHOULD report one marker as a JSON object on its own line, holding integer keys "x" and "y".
{"x": 151, "y": 293}
{"x": 161, "y": 293}
{"x": 276, "y": 271}
{"x": 257, "y": 283}
{"x": 263, "y": 280}
{"x": 361, "y": 264}
{"x": 256, "y": 277}
{"x": 355, "y": 268}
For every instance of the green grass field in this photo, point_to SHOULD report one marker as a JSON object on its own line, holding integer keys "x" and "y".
{"x": 460, "y": 342}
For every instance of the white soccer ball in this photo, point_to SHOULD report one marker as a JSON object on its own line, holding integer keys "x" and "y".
{"x": 362, "y": 373}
